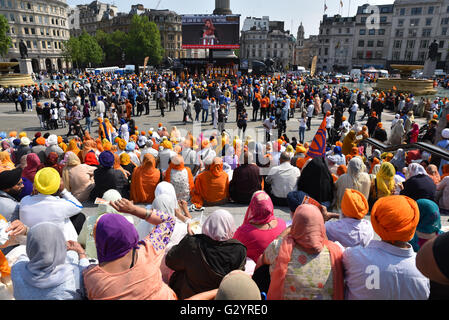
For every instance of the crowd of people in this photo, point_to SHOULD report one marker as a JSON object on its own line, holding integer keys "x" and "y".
{"x": 144, "y": 242}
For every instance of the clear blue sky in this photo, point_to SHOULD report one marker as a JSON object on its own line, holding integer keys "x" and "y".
{"x": 310, "y": 12}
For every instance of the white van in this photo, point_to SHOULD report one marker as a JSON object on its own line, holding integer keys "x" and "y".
{"x": 355, "y": 73}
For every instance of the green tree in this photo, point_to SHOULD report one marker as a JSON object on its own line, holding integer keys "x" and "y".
{"x": 113, "y": 45}
{"x": 72, "y": 51}
{"x": 143, "y": 40}
{"x": 5, "y": 40}
{"x": 90, "y": 51}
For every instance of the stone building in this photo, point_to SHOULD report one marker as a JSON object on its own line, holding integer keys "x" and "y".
{"x": 336, "y": 40}
{"x": 85, "y": 17}
{"x": 260, "y": 43}
{"x": 305, "y": 49}
{"x": 43, "y": 26}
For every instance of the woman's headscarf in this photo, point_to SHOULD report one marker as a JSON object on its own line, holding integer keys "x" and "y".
{"x": 260, "y": 209}
{"x": 166, "y": 188}
{"x": 216, "y": 168}
{"x": 375, "y": 162}
{"x": 114, "y": 236}
{"x": 349, "y": 142}
{"x": 355, "y": 168}
{"x": 73, "y": 147}
{"x": 432, "y": 171}
{"x": 415, "y": 169}
{"x": 429, "y": 217}
{"x": 88, "y": 146}
{"x": 238, "y": 285}
{"x": 309, "y": 233}
{"x": 385, "y": 179}
{"x": 144, "y": 180}
{"x": 165, "y": 203}
{"x": 5, "y": 161}
{"x": 219, "y": 226}
{"x": 46, "y": 248}
{"x": 33, "y": 163}
{"x": 91, "y": 159}
{"x": 445, "y": 170}
{"x": 5, "y": 145}
{"x": 399, "y": 159}
{"x": 72, "y": 161}
{"x": 395, "y": 218}
{"x": 317, "y": 181}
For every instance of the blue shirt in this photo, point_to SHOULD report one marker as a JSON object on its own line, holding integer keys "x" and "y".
{"x": 205, "y": 104}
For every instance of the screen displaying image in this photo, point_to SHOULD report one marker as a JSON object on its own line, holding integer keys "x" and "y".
{"x": 210, "y": 31}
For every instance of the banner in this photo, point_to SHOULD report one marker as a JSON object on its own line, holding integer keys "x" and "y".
{"x": 313, "y": 66}
{"x": 145, "y": 62}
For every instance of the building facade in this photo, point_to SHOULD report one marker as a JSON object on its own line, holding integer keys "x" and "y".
{"x": 336, "y": 40}
{"x": 305, "y": 49}
{"x": 86, "y": 17}
{"x": 372, "y": 36}
{"x": 43, "y": 26}
{"x": 416, "y": 24}
{"x": 272, "y": 43}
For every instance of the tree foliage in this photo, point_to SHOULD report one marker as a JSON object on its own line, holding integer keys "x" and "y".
{"x": 113, "y": 45}
{"x": 5, "y": 40}
{"x": 84, "y": 51}
{"x": 143, "y": 40}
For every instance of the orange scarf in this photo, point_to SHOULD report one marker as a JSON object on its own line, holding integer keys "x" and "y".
{"x": 144, "y": 180}
{"x": 5, "y": 269}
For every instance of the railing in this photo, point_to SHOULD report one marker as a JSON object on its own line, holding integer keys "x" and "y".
{"x": 432, "y": 149}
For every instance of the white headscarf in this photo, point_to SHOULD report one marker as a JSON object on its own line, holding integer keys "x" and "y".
{"x": 168, "y": 189}
{"x": 219, "y": 226}
{"x": 355, "y": 167}
{"x": 46, "y": 248}
{"x": 399, "y": 159}
{"x": 415, "y": 169}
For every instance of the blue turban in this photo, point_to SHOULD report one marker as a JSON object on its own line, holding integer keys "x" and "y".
{"x": 337, "y": 150}
{"x": 16, "y": 142}
{"x": 106, "y": 159}
{"x": 131, "y": 146}
{"x": 295, "y": 199}
{"x": 3, "y": 135}
{"x": 122, "y": 121}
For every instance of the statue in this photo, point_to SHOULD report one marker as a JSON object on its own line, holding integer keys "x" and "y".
{"x": 433, "y": 51}
{"x": 23, "y": 50}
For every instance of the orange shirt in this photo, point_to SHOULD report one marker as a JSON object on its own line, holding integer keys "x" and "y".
{"x": 292, "y": 104}
{"x": 210, "y": 188}
{"x": 265, "y": 102}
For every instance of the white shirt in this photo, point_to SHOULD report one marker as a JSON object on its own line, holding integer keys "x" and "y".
{"x": 350, "y": 232}
{"x": 283, "y": 179}
{"x": 310, "y": 109}
{"x": 354, "y": 107}
{"x": 382, "y": 271}
{"x": 47, "y": 208}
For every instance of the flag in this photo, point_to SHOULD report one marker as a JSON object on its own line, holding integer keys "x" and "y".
{"x": 325, "y": 7}
{"x": 318, "y": 147}
{"x": 394, "y": 88}
{"x": 341, "y": 3}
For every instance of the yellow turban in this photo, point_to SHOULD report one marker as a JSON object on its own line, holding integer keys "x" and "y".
{"x": 354, "y": 204}
{"x": 22, "y": 134}
{"x": 122, "y": 144}
{"x": 395, "y": 218}
{"x": 167, "y": 144}
{"x": 125, "y": 159}
{"x": 300, "y": 149}
{"x": 47, "y": 181}
{"x": 289, "y": 148}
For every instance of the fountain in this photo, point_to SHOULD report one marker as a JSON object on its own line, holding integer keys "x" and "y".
{"x": 405, "y": 84}
{"x": 9, "y": 79}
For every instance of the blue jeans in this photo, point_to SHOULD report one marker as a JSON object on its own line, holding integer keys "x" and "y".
{"x": 205, "y": 112}
{"x": 30, "y": 104}
{"x": 88, "y": 123}
{"x": 302, "y": 131}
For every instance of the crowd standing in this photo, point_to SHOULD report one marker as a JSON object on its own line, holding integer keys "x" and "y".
{"x": 126, "y": 251}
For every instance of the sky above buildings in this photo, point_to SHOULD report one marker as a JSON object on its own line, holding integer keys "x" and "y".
{"x": 292, "y": 12}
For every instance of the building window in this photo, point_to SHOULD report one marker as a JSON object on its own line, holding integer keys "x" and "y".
{"x": 416, "y": 11}
{"x": 402, "y": 12}
{"x": 396, "y": 55}
{"x": 414, "y": 22}
{"x": 422, "y": 56}
{"x": 29, "y": 6}
{"x": 426, "y": 32}
{"x": 379, "y": 55}
{"x": 383, "y": 19}
{"x": 444, "y": 31}
{"x": 445, "y": 21}
{"x": 380, "y": 43}
{"x": 397, "y": 44}
{"x": 362, "y": 32}
{"x": 399, "y": 33}
{"x": 400, "y": 22}
{"x": 428, "y": 21}
{"x": 412, "y": 32}
{"x": 372, "y": 32}
{"x": 12, "y": 17}
{"x": 408, "y": 55}
{"x": 410, "y": 44}
{"x": 359, "y": 54}
{"x": 381, "y": 32}
{"x": 33, "y": 31}
{"x": 361, "y": 43}
{"x": 24, "y": 18}
{"x": 26, "y": 31}
{"x": 369, "y": 54}
{"x": 430, "y": 10}
{"x": 424, "y": 44}
{"x": 441, "y": 44}
{"x": 370, "y": 43}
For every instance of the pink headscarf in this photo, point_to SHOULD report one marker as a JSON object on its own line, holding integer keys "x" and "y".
{"x": 219, "y": 226}
{"x": 309, "y": 233}
{"x": 33, "y": 163}
{"x": 260, "y": 210}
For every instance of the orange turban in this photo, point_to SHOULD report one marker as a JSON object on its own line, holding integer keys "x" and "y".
{"x": 107, "y": 146}
{"x": 379, "y": 125}
{"x": 342, "y": 169}
{"x": 339, "y": 144}
{"x": 354, "y": 204}
{"x": 40, "y": 141}
{"x": 205, "y": 144}
{"x": 301, "y": 162}
{"x": 394, "y": 218}
{"x": 343, "y": 118}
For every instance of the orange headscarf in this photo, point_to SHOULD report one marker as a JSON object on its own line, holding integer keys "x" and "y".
{"x": 445, "y": 170}
{"x": 5, "y": 269}
{"x": 177, "y": 163}
{"x": 342, "y": 169}
{"x": 5, "y": 161}
{"x": 144, "y": 180}
{"x": 73, "y": 147}
{"x": 99, "y": 145}
{"x": 354, "y": 204}
{"x": 309, "y": 233}
{"x": 375, "y": 162}
{"x": 394, "y": 218}
{"x": 432, "y": 171}
{"x": 88, "y": 146}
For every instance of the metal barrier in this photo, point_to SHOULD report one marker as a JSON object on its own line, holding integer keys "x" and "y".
{"x": 432, "y": 149}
